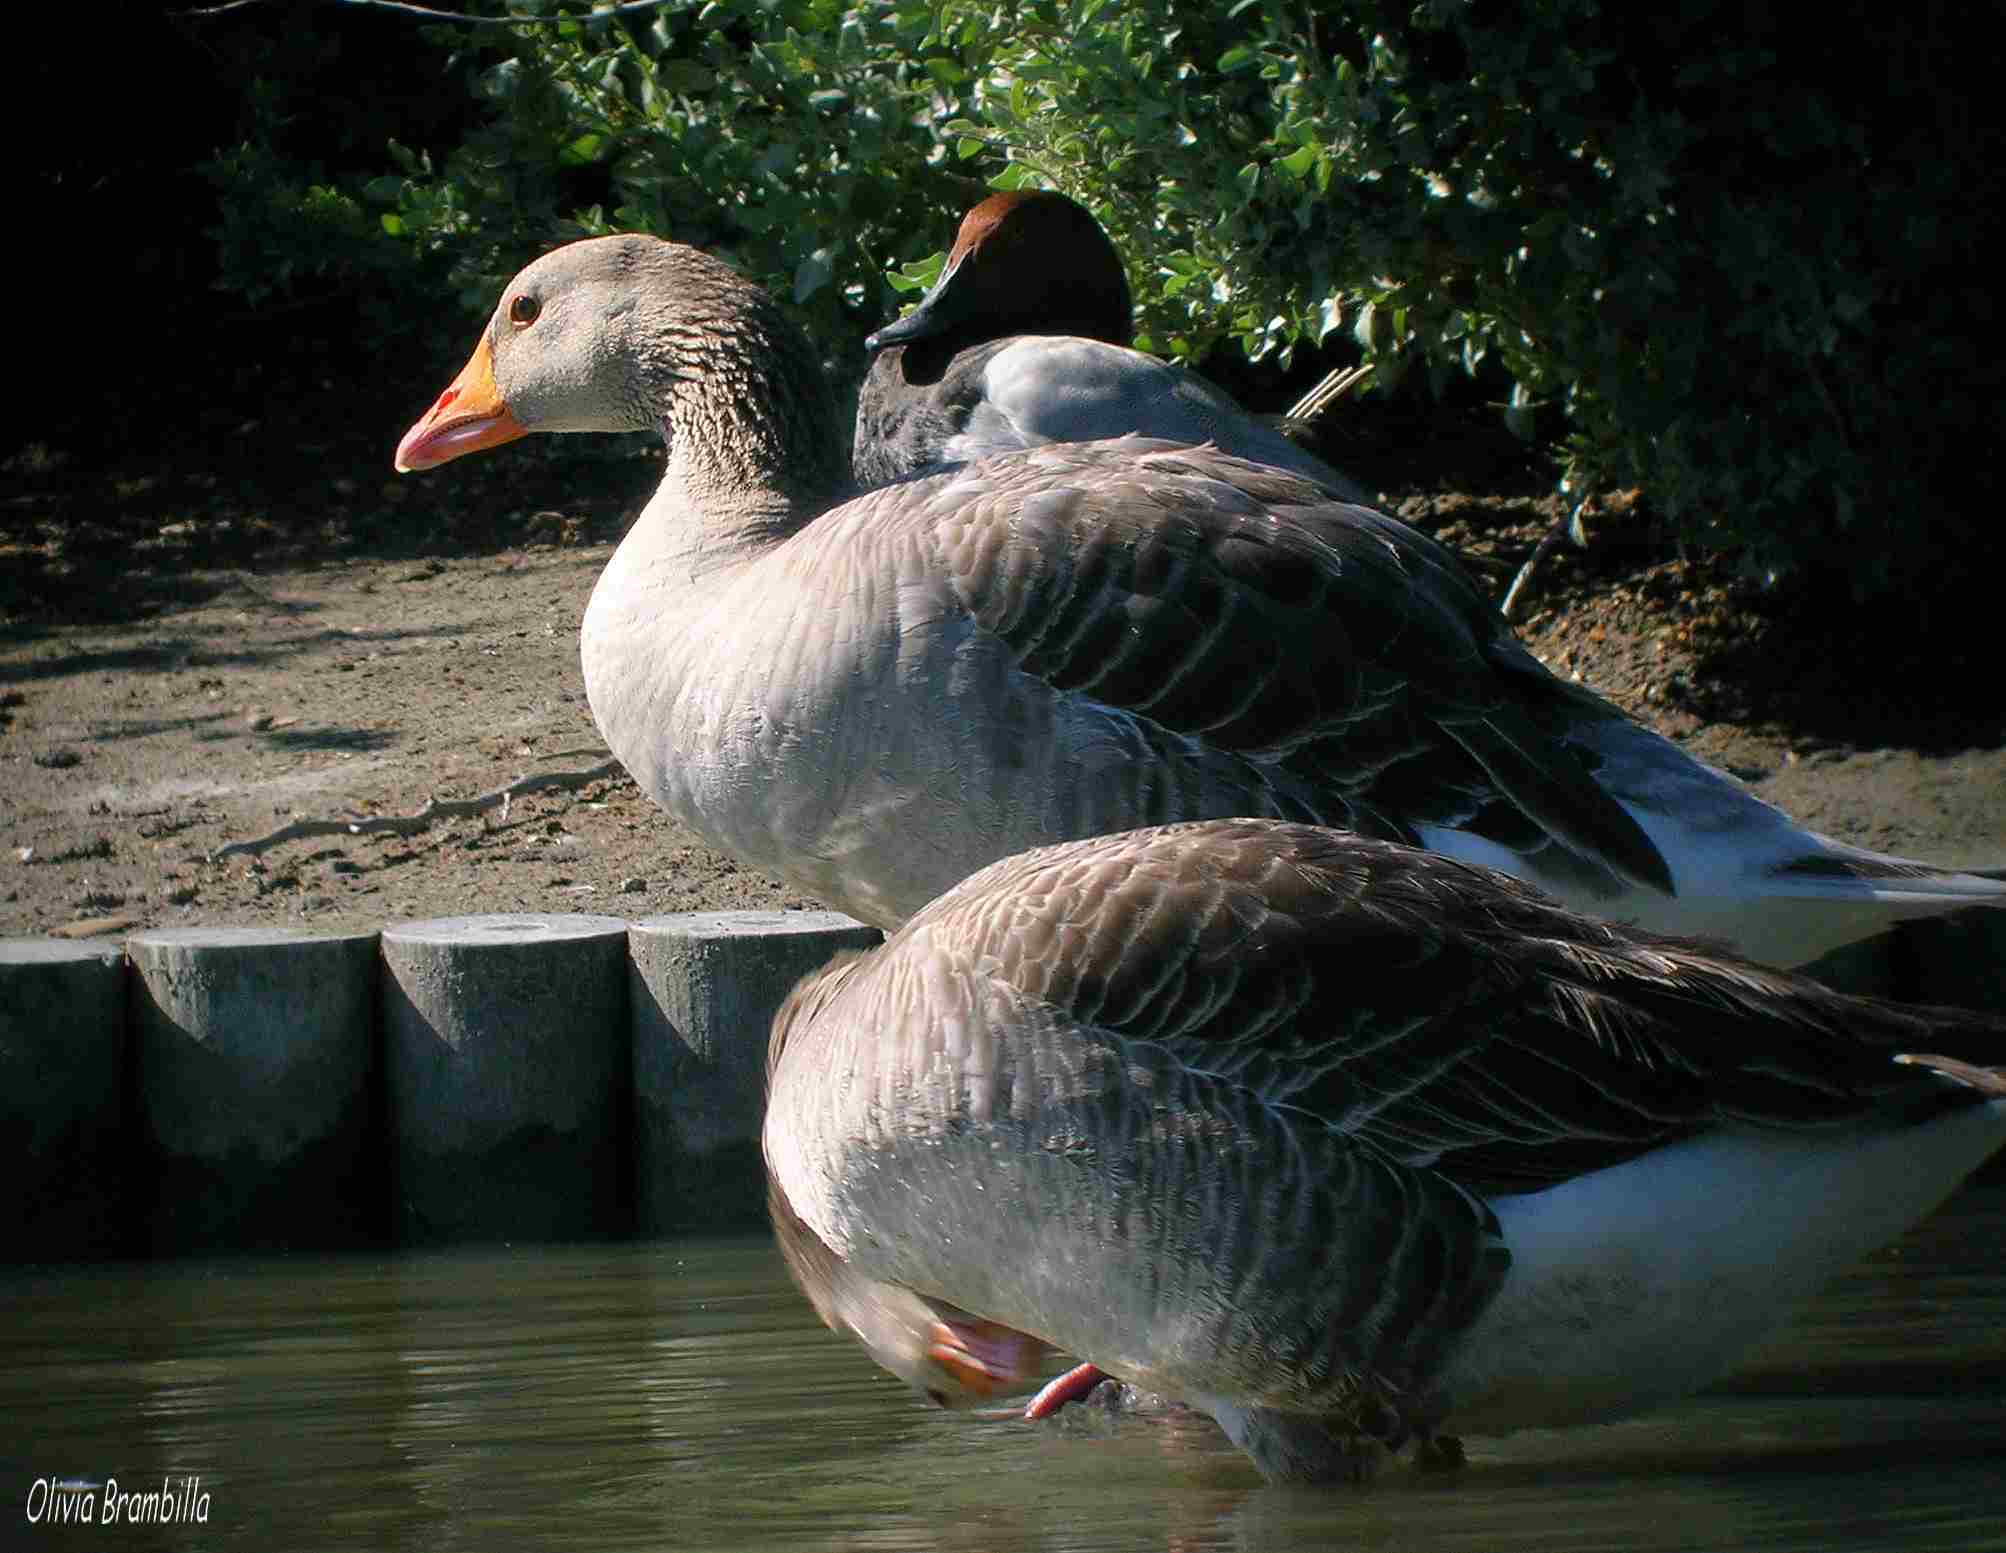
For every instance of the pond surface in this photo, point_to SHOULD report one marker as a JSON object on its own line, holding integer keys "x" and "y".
{"x": 681, "y": 1395}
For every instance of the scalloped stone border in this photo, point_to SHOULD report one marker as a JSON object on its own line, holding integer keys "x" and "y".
{"x": 524, "y": 1077}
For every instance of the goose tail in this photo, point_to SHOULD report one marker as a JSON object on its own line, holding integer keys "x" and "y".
{"x": 1838, "y": 895}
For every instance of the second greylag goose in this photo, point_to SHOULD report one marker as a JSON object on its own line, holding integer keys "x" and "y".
{"x": 1024, "y": 339}
{"x": 873, "y": 697}
{"x": 1343, "y": 1142}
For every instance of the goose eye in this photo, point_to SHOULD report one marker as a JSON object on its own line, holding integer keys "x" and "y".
{"x": 522, "y": 311}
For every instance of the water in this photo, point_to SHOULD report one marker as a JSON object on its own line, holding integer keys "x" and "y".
{"x": 681, "y": 1395}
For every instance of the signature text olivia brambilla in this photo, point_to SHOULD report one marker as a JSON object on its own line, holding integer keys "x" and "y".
{"x": 178, "y": 1501}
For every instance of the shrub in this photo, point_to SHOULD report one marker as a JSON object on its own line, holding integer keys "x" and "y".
{"x": 1744, "y": 262}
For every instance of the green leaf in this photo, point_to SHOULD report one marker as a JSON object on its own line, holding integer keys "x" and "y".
{"x": 686, "y": 77}
{"x": 502, "y": 81}
{"x": 918, "y": 274}
{"x": 813, "y": 273}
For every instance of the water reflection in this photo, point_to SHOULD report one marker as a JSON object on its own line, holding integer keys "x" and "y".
{"x": 681, "y": 1396}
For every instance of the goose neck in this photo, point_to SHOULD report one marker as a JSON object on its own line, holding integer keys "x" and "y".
{"x": 756, "y": 446}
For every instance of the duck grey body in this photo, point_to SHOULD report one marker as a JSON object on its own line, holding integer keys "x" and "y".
{"x": 873, "y": 697}
{"x": 1339, "y": 1140}
{"x": 1002, "y": 396}
{"x": 1024, "y": 340}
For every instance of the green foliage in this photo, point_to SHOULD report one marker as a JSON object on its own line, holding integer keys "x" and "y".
{"x": 790, "y": 136}
{"x": 1719, "y": 246}
{"x": 1731, "y": 260}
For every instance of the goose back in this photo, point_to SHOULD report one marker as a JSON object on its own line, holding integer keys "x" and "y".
{"x": 1108, "y": 612}
{"x": 1273, "y": 1118}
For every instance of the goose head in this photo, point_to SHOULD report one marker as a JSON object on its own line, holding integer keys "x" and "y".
{"x": 634, "y": 333}
{"x": 1025, "y": 262}
{"x": 951, "y": 1358}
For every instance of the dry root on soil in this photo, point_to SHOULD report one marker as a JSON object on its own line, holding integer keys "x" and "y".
{"x": 434, "y": 810}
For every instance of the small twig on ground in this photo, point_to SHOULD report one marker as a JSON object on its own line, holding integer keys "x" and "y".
{"x": 1570, "y": 529}
{"x": 434, "y": 810}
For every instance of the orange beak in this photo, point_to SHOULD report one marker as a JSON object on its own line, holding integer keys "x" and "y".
{"x": 469, "y": 416}
{"x": 984, "y": 1358}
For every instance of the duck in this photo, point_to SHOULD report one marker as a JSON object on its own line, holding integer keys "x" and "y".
{"x": 1025, "y": 338}
{"x": 1350, "y": 1145}
{"x": 871, "y": 695}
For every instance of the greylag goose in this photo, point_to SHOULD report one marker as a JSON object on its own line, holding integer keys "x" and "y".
{"x": 1343, "y": 1142}
{"x": 1024, "y": 340}
{"x": 872, "y": 697}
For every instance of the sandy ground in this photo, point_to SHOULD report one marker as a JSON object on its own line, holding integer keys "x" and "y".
{"x": 131, "y": 756}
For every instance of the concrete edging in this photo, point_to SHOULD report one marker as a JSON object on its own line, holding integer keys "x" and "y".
{"x": 492, "y": 1078}
{"x": 505, "y": 1072}
{"x": 254, "y": 1055}
{"x": 452, "y": 1079}
{"x": 698, "y": 980}
{"x": 64, "y": 1099}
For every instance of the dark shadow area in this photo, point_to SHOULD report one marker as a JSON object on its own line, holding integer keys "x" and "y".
{"x": 171, "y": 653}
{"x": 146, "y": 727}
{"x": 1794, "y": 656}
{"x": 355, "y": 739}
{"x": 186, "y": 437}
{"x": 1920, "y": 675}
{"x": 97, "y": 535}
{"x": 179, "y": 654}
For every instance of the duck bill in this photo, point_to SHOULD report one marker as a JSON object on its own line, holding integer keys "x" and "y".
{"x": 939, "y": 311}
{"x": 469, "y": 415}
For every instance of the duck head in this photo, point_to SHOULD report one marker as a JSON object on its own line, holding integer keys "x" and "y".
{"x": 1025, "y": 262}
